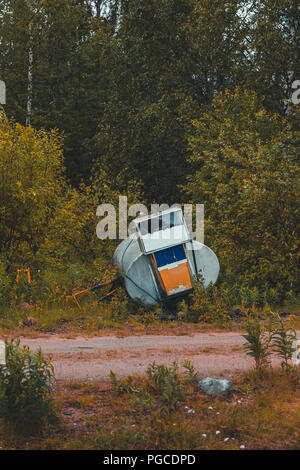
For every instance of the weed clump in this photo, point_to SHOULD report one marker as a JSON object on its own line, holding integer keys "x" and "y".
{"x": 164, "y": 382}
{"x": 283, "y": 339}
{"x": 162, "y": 388}
{"x": 26, "y": 380}
{"x": 277, "y": 337}
{"x": 208, "y": 305}
{"x": 258, "y": 342}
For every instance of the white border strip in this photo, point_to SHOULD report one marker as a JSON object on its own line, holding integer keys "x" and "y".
{"x": 172, "y": 265}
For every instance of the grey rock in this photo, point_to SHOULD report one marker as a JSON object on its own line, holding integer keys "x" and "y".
{"x": 214, "y": 386}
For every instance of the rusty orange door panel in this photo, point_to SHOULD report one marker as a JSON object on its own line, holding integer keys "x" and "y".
{"x": 176, "y": 279}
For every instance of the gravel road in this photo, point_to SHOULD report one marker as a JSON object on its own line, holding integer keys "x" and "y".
{"x": 81, "y": 358}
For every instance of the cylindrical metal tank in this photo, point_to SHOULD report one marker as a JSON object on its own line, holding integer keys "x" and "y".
{"x": 140, "y": 281}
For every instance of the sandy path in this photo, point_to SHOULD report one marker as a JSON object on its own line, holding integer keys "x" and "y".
{"x": 92, "y": 358}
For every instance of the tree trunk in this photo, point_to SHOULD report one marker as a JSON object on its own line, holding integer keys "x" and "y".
{"x": 29, "y": 86}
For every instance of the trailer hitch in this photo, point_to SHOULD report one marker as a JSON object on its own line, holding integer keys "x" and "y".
{"x": 115, "y": 283}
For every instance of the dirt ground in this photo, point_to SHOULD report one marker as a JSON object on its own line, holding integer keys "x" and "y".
{"x": 82, "y": 358}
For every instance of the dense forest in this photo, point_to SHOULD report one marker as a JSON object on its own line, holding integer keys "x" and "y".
{"x": 165, "y": 101}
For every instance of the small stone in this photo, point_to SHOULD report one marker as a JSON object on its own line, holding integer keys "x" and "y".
{"x": 203, "y": 435}
{"x": 214, "y": 386}
{"x": 242, "y": 447}
{"x": 226, "y": 439}
{"x": 218, "y": 432}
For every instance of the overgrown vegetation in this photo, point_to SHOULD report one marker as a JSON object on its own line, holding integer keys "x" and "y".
{"x": 164, "y": 409}
{"x": 276, "y": 337}
{"x": 26, "y": 381}
{"x": 133, "y": 413}
{"x": 245, "y": 161}
{"x": 283, "y": 341}
{"x": 205, "y": 308}
{"x": 163, "y": 102}
{"x": 258, "y": 342}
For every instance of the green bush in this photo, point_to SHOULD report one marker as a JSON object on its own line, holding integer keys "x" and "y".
{"x": 241, "y": 293}
{"x": 5, "y": 286}
{"x": 164, "y": 382}
{"x": 258, "y": 342}
{"x": 208, "y": 305}
{"x": 26, "y": 380}
{"x": 246, "y": 173}
{"x": 283, "y": 338}
{"x": 277, "y": 337}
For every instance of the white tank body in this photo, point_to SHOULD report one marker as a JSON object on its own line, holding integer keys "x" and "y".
{"x": 140, "y": 281}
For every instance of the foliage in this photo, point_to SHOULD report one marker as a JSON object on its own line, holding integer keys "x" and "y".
{"x": 246, "y": 174}
{"x": 208, "y": 305}
{"x": 162, "y": 390}
{"x": 258, "y": 342}
{"x": 26, "y": 389}
{"x": 248, "y": 415}
{"x": 164, "y": 381}
{"x": 31, "y": 182}
{"x": 5, "y": 286}
{"x": 277, "y": 336}
{"x": 145, "y": 122}
{"x": 145, "y": 95}
{"x": 190, "y": 371}
{"x": 118, "y": 386}
{"x": 283, "y": 338}
{"x": 272, "y": 28}
{"x": 46, "y": 224}
{"x": 141, "y": 69}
